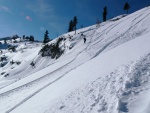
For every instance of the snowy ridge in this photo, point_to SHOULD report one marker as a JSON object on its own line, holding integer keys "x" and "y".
{"x": 108, "y": 74}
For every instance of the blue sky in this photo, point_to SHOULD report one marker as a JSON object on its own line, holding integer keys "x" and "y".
{"x": 34, "y": 17}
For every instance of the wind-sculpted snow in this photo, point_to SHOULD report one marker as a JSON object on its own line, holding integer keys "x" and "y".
{"x": 107, "y": 74}
{"x": 109, "y": 94}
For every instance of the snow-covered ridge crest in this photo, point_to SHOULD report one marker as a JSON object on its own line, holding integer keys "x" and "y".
{"x": 109, "y": 73}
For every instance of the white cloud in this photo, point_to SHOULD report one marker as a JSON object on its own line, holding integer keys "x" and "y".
{"x": 41, "y": 8}
{"x": 44, "y": 10}
{"x": 6, "y": 9}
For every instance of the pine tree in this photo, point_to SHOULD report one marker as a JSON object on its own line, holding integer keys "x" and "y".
{"x": 104, "y": 13}
{"x": 70, "y": 26}
{"x": 14, "y": 37}
{"x": 5, "y": 41}
{"x": 23, "y": 37}
{"x": 31, "y": 38}
{"x": 75, "y": 21}
{"x": 126, "y": 7}
{"x": 52, "y": 50}
{"x": 46, "y": 37}
{"x": 27, "y": 38}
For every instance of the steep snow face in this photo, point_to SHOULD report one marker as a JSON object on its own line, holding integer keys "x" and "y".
{"x": 104, "y": 88}
{"x": 108, "y": 74}
{"x": 124, "y": 92}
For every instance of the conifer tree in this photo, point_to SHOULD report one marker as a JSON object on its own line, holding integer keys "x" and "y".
{"x": 5, "y": 42}
{"x": 46, "y": 37}
{"x": 23, "y": 37}
{"x": 70, "y": 26}
{"x": 31, "y": 38}
{"x": 75, "y": 21}
{"x": 104, "y": 13}
{"x": 126, "y": 7}
{"x": 14, "y": 37}
{"x": 27, "y": 38}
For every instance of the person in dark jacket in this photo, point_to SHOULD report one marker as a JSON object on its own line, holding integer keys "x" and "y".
{"x": 84, "y": 38}
{"x": 32, "y": 64}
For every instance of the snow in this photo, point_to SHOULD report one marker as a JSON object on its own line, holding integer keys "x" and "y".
{"x": 142, "y": 102}
{"x": 108, "y": 74}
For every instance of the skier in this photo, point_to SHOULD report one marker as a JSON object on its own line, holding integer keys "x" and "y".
{"x": 32, "y": 64}
{"x": 84, "y": 37}
{"x": 84, "y": 40}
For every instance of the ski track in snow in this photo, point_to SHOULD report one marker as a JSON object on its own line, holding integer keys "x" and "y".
{"x": 92, "y": 98}
{"x": 109, "y": 43}
{"x": 55, "y": 61}
{"x": 18, "y": 89}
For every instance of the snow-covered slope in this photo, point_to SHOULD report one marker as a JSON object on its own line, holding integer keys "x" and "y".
{"x": 110, "y": 73}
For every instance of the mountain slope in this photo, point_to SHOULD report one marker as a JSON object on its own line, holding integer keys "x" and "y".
{"x": 107, "y": 74}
